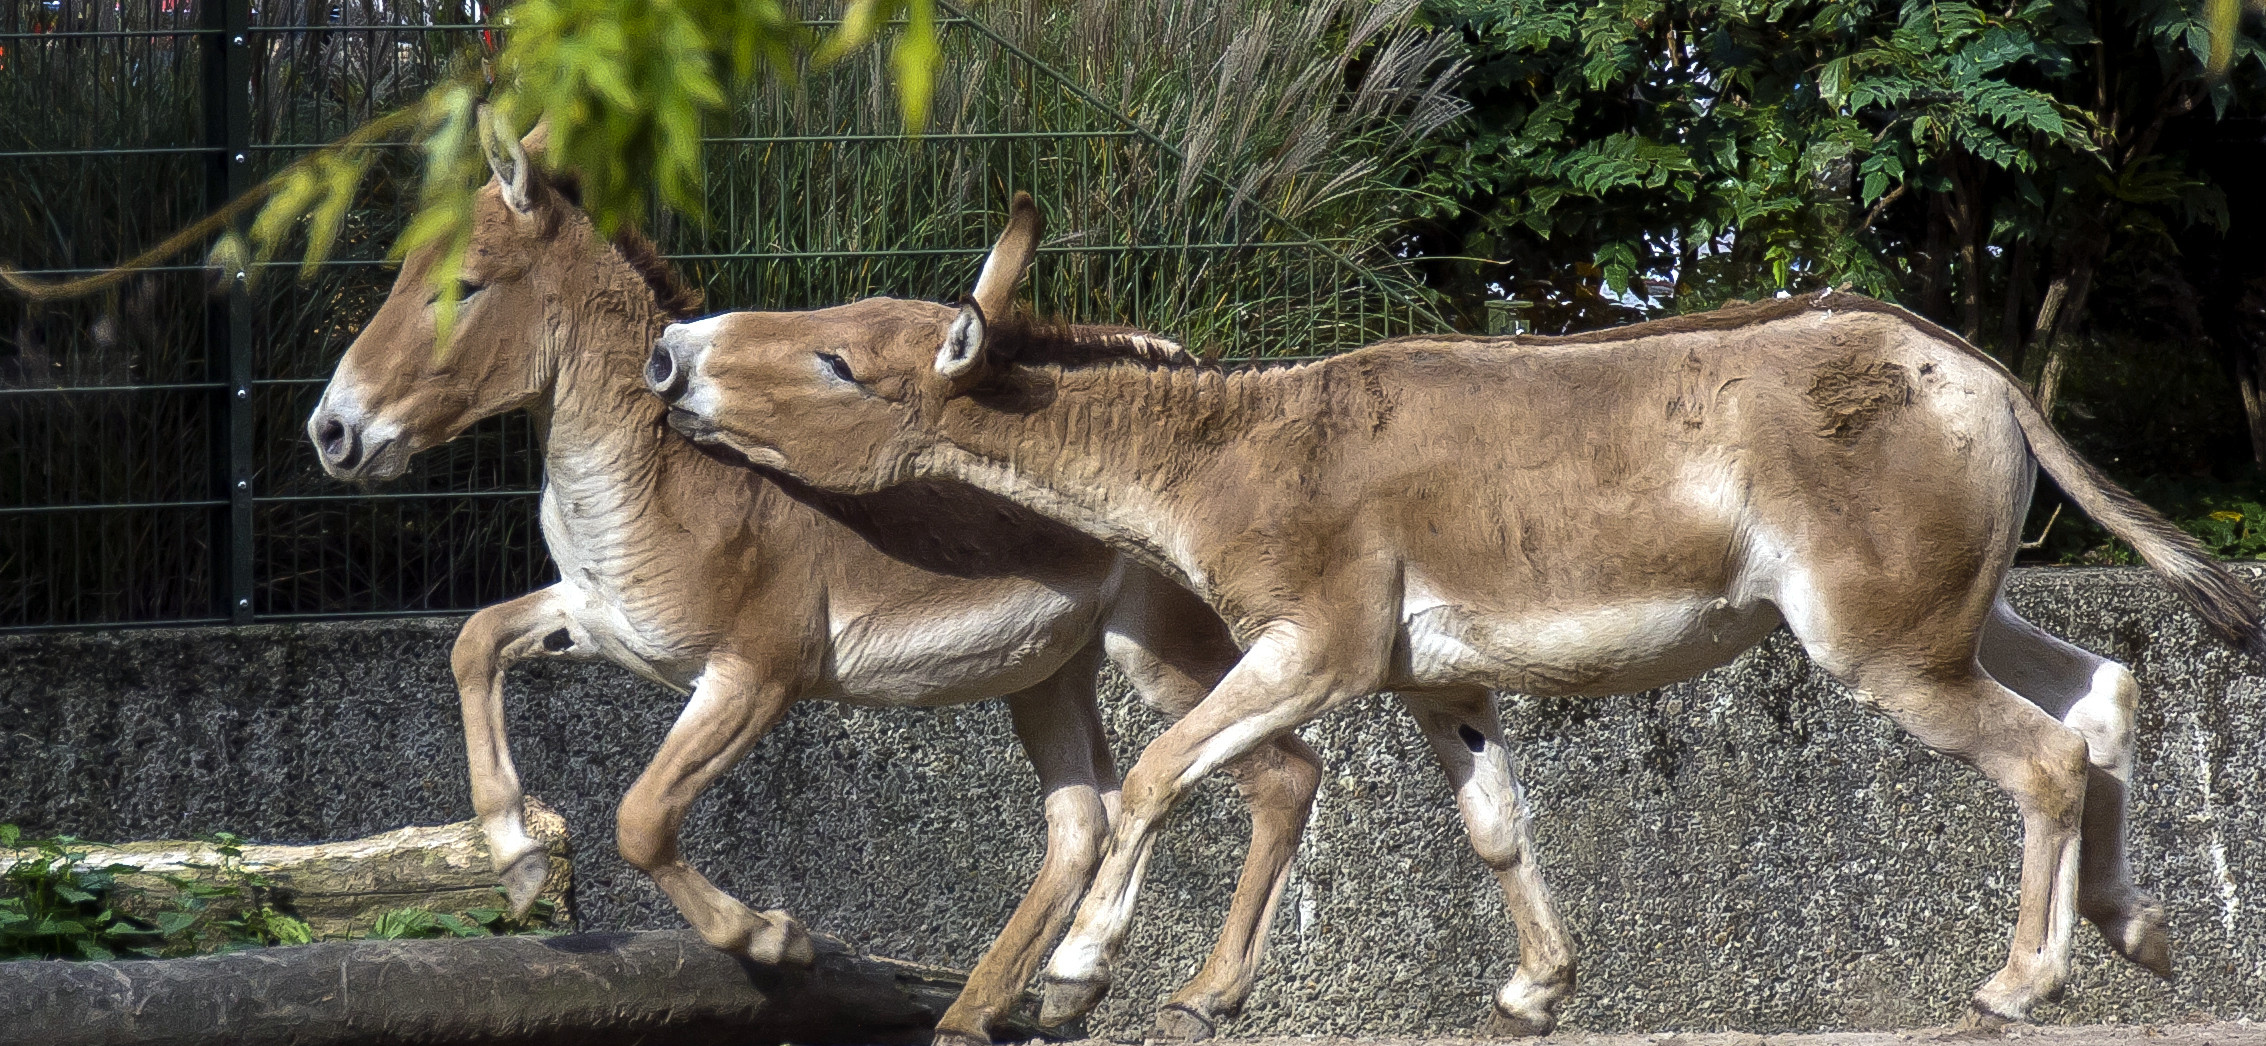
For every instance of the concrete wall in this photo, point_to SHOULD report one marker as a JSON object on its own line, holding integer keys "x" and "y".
{"x": 1748, "y": 850}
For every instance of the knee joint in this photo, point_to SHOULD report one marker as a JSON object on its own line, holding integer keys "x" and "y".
{"x": 2057, "y": 776}
{"x": 1499, "y": 850}
{"x": 1077, "y": 829}
{"x": 643, "y": 835}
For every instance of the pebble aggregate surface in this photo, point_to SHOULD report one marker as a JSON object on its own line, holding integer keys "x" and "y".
{"x": 1747, "y": 850}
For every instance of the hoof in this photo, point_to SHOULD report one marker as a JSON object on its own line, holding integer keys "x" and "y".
{"x": 2142, "y": 936}
{"x": 958, "y": 1038}
{"x": 1064, "y": 1001}
{"x": 523, "y": 880}
{"x": 1179, "y": 1022}
{"x": 780, "y": 941}
{"x": 1503, "y": 1024}
{"x": 1979, "y": 1023}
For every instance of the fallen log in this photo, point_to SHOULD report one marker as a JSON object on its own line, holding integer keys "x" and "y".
{"x": 339, "y": 889}
{"x": 574, "y": 990}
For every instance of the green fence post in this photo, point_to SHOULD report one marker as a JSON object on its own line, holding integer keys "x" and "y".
{"x": 228, "y": 317}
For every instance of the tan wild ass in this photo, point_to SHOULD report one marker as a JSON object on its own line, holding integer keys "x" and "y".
{"x": 705, "y": 576}
{"x": 1440, "y": 516}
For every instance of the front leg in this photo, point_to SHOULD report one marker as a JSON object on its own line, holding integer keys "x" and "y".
{"x": 734, "y": 703}
{"x": 486, "y": 647}
{"x": 1175, "y": 650}
{"x": 1289, "y": 676}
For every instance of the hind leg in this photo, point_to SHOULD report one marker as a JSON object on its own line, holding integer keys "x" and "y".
{"x": 1062, "y": 733}
{"x": 2097, "y": 698}
{"x": 1467, "y": 736}
{"x": 1959, "y": 710}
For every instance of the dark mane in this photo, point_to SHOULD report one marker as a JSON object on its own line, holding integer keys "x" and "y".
{"x": 1025, "y": 339}
{"x": 676, "y": 300}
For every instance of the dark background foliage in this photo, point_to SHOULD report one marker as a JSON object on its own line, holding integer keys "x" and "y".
{"x": 2062, "y": 182}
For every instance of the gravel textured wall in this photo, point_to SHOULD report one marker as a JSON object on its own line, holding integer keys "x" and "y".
{"x": 1748, "y": 850}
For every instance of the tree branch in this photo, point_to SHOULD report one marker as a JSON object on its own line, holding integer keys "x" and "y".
{"x": 1880, "y": 205}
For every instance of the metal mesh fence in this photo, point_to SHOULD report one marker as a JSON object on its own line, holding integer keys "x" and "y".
{"x": 152, "y": 463}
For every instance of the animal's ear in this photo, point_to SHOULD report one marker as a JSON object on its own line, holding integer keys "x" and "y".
{"x": 537, "y": 138}
{"x": 1018, "y": 244}
{"x": 507, "y": 157}
{"x": 963, "y": 350}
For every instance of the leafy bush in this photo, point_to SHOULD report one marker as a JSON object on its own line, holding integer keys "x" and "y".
{"x": 256, "y": 921}
{"x": 60, "y": 911}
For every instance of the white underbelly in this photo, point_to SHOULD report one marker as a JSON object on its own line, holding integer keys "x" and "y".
{"x": 1611, "y": 649}
{"x": 911, "y": 655}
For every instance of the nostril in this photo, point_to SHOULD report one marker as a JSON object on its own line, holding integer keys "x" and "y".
{"x": 337, "y": 443}
{"x": 662, "y": 375}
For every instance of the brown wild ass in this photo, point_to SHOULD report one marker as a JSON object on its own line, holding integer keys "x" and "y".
{"x": 706, "y": 576}
{"x": 1444, "y": 515}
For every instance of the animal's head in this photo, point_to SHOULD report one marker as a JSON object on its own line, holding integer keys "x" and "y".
{"x": 841, "y": 398}
{"x": 532, "y": 261}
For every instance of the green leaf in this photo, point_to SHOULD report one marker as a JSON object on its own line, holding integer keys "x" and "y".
{"x": 861, "y": 21}
{"x": 915, "y": 62}
{"x": 459, "y": 926}
{"x": 170, "y": 923}
{"x": 285, "y": 929}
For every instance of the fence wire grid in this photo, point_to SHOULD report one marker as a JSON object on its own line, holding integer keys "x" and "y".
{"x": 153, "y": 467}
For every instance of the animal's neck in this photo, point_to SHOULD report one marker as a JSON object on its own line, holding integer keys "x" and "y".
{"x": 600, "y": 414}
{"x": 1129, "y": 454}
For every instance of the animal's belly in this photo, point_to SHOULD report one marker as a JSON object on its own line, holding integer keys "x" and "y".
{"x": 916, "y": 654}
{"x": 1610, "y": 649}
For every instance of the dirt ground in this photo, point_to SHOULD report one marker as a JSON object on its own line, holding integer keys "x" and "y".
{"x": 2228, "y": 1033}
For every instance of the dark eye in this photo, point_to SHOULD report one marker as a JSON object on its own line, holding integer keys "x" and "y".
{"x": 465, "y": 289}
{"x": 841, "y": 369}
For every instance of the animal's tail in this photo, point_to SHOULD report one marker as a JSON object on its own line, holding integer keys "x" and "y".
{"x": 2228, "y": 605}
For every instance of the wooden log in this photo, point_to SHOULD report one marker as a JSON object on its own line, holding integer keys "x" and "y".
{"x": 576, "y": 990}
{"x": 341, "y": 888}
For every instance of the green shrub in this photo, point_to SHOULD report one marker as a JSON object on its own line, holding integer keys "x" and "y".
{"x": 57, "y": 910}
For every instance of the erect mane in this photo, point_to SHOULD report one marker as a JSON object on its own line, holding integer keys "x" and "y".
{"x": 1024, "y": 339}
{"x": 676, "y": 299}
